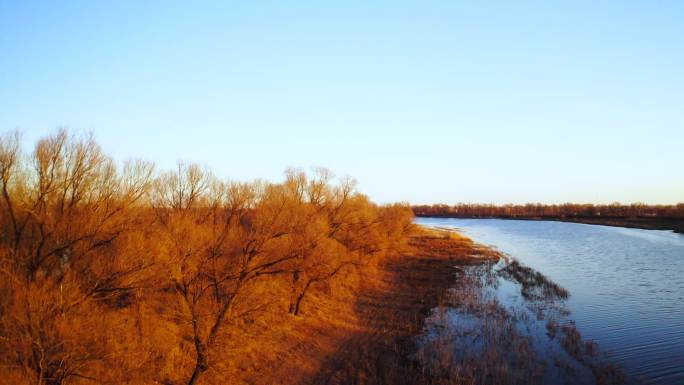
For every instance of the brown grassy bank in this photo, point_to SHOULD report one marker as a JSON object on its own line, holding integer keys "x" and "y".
{"x": 363, "y": 335}
{"x": 674, "y": 224}
{"x": 368, "y": 333}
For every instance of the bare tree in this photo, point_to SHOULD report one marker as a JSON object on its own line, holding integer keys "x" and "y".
{"x": 120, "y": 275}
{"x": 65, "y": 207}
{"x": 220, "y": 238}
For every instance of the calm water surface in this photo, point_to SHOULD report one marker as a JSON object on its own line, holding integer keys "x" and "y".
{"x": 626, "y": 285}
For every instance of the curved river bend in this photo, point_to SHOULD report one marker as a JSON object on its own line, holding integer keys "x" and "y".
{"x": 626, "y": 285}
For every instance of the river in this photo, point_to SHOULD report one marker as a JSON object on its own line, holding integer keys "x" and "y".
{"x": 626, "y": 286}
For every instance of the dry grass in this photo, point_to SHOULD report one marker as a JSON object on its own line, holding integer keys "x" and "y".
{"x": 445, "y": 243}
{"x": 364, "y": 332}
{"x": 367, "y": 333}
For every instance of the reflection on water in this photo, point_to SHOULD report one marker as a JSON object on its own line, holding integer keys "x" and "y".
{"x": 626, "y": 286}
{"x": 506, "y": 323}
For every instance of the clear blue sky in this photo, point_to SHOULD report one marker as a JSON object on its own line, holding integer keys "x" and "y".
{"x": 425, "y": 101}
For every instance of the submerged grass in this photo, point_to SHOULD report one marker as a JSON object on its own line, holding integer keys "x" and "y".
{"x": 535, "y": 285}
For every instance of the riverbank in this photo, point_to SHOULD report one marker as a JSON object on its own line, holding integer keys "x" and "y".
{"x": 362, "y": 334}
{"x": 676, "y": 225}
{"x": 624, "y": 286}
{"x": 395, "y": 325}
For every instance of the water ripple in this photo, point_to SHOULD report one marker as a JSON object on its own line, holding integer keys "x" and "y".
{"x": 626, "y": 285}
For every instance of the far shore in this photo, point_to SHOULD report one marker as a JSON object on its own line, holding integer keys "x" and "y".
{"x": 676, "y": 225}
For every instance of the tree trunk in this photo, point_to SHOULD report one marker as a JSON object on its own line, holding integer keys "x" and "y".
{"x": 200, "y": 367}
{"x": 293, "y": 292}
{"x": 201, "y": 363}
{"x": 298, "y": 302}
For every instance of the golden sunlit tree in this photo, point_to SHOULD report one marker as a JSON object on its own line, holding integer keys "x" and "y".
{"x": 122, "y": 275}
{"x": 65, "y": 209}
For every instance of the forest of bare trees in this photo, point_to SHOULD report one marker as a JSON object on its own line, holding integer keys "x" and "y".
{"x": 565, "y": 210}
{"x": 124, "y": 274}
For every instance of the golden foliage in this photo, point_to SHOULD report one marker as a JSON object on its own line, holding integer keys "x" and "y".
{"x": 125, "y": 275}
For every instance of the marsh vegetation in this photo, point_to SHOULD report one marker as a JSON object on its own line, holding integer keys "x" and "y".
{"x": 504, "y": 323}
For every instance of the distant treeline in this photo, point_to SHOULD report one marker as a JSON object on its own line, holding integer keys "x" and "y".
{"x": 560, "y": 211}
